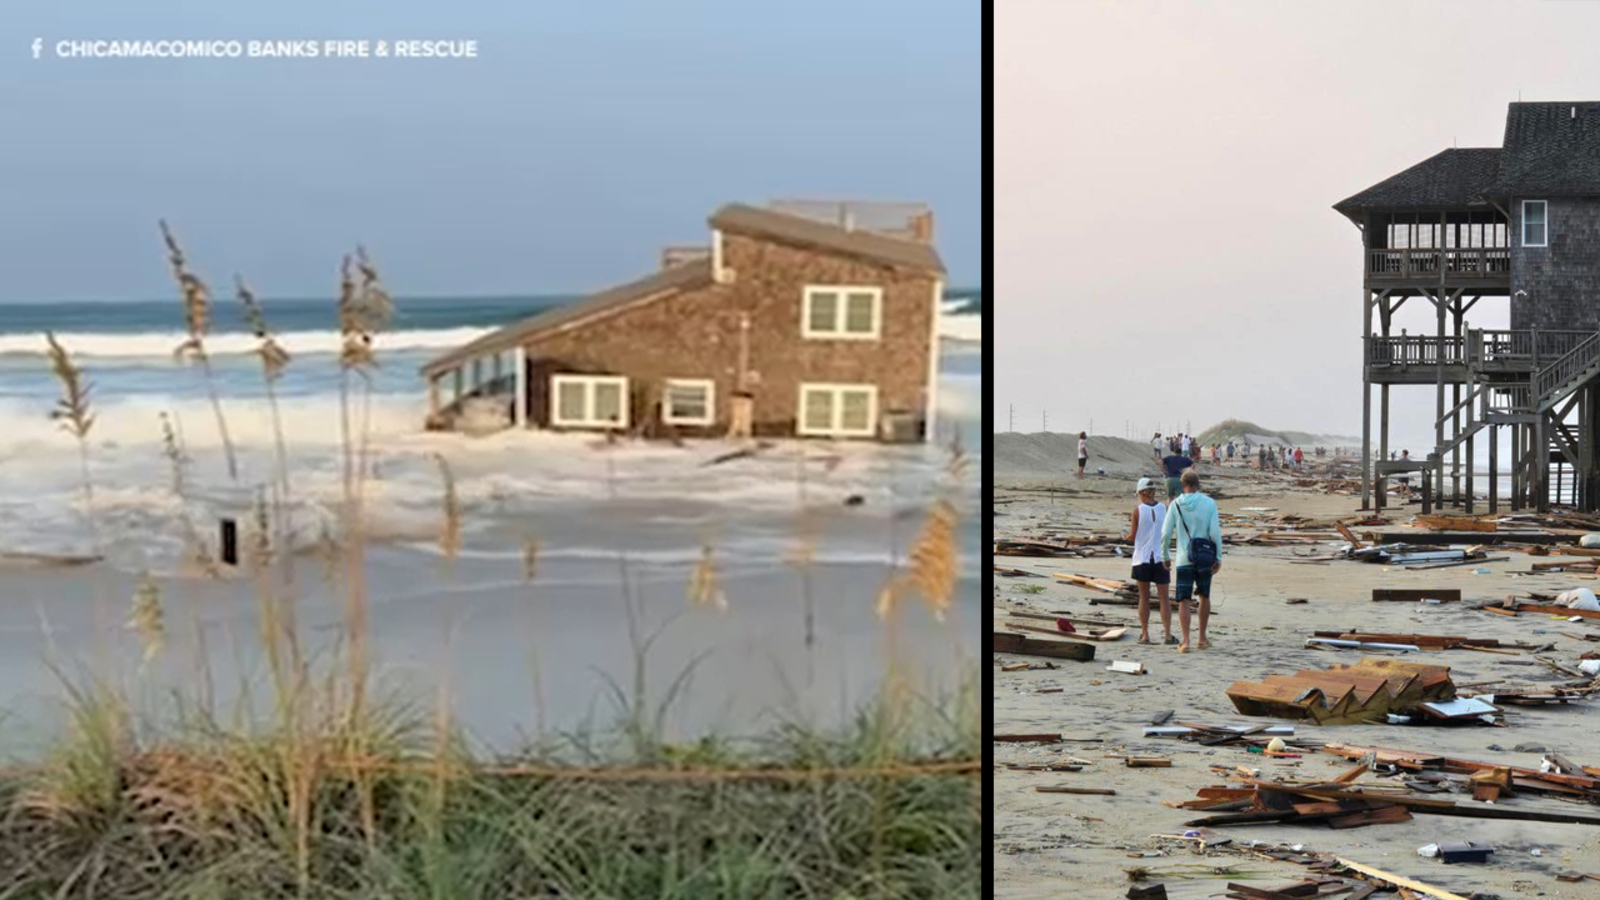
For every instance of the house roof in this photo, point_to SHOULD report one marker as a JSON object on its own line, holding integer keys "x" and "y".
{"x": 812, "y": 233}
{"x": 1551, "y": 149}
{"x": 685, "y": 277}
{"x": 1448, "y": 179}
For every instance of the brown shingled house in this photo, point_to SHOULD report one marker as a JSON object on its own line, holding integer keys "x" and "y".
{"x": 794, "y": 321}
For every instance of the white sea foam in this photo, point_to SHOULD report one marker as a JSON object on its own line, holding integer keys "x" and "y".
{"x": 144, "y": 345}
{"x": 159, "y": 345}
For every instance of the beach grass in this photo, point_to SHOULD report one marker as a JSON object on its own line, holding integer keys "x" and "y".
{"x": 341, "y": 787}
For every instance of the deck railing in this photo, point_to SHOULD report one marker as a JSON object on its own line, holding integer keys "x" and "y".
{"x": 1525, "y": 346}
{"x": 1415, "y": 350}
{"x": 1426, "y": 262}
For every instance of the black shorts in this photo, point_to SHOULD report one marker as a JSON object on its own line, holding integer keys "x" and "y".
{"x": 1193, "y": 582}
{"x": 1155, "y": 573}
{"x": 1083, "y": 461}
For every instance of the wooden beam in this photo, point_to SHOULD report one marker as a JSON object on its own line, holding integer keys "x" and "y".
{"x": 1399, "y": 880}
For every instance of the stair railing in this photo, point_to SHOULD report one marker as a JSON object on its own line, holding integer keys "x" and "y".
{"x": 1548, "y": 379}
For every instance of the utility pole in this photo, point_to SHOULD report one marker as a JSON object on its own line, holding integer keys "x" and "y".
{"x": 1045, "y": 418}
{"x": 1011, "y": 418}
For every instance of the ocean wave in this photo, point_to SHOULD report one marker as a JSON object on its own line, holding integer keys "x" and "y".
{"x": 160, "y": 344}
{"x": 153, "y": 344}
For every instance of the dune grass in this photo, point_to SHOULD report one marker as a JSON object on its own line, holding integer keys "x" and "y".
{"x": 340, "y": 788}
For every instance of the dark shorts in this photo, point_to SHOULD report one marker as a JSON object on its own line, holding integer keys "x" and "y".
{"x": 1083, "y": 461}
{"x": 1174, "y": 487}
{"x": 1192, "y": 583}
{"x": 1155, "y": 573}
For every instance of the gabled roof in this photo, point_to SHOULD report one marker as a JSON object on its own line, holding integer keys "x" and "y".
{"x": 814, "y": 234}
{"x": 1450, "y": 179}
{"x": 1551, "y": 149}
{"x": 686, "y": 277}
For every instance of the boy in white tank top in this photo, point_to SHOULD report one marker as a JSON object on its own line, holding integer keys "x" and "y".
{"x": 1145, "y": 535}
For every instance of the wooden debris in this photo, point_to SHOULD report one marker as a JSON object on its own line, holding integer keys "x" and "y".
{"x": 1028, "y": 738}
{"x": 1342, "y": 695}
{"x": 1068, "y": 789}
{"x": 1410, "y": 595}
{"x": 1148, "y": 762}
{"x": 1009, "y": 642}
{"x": 1399, "y": 880}
{"x": 1126, "y": 667}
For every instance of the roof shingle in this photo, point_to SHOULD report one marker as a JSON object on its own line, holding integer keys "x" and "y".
{"x": 792, "y": 229}
{"x": 1450, "y": 179}
{"x": 1551, "y": 149}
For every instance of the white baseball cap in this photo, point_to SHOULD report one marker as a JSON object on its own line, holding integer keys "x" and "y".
{"x": 1147, "y": 484}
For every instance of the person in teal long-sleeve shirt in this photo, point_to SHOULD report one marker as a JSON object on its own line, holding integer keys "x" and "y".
{"x": 1191, "y": 510}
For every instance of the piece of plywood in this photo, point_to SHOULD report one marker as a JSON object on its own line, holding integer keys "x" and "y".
{"x": 1414, "y": 595}
{"x": 1011, "y": 642}
{"x": 1400, "y": 880}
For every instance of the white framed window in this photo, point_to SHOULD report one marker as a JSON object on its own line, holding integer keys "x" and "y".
{"x": 841, "y": 311}
{"x": 1535, "y": 224}
{"x": 840, "y": 410}
{"x": 688, "y": 401}
{"x": 589, "y": 401}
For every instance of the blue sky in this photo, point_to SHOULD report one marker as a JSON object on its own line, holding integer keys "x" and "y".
{"x": 585, "y": 136}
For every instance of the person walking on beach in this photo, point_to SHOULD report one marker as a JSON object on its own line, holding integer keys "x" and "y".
{"x": 1145, "y": 535}
{"x": 1155, "y": 446}
{"x": 1174, "y": 466}
{"x": 1230, "y": 450}
{"x": 1083, "y": 452}
{"x": 1216, "y": 451}
{"x": 1261, "y": 457}
{"x": 1299, "y": 458}
{"x": 1193, "y": 522}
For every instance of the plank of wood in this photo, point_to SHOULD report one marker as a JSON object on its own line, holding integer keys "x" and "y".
{"x": 1039, "y": 738}
{"x": 1069, "y": 789}
{"x": 1005, "y": 642}
{"x": 1148, "y": 762}
{"x": 1411, "y": 595}
{"x": 1399, "y": 880}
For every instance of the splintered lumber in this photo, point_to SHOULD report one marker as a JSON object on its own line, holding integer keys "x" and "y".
{"x": 1399, "y": 880}
{"x": 1148, "y": 762}
{"x": 1343, "y": 695}
{"x": 1031, "y": 548}
{"x": 1014, "y": 573}
{"x": 1028, "y": 738}
{"x": 1456, "y": 523}
{"x": 1542, "y": 608}
{"x": 1110, "y": 634}
{"x": 1069, "y": 789}
{"x": 1411, "y": 595}
{"x": 1407, "y": 759}
{"x": 1010, "y": 642}
{"x": 1474, "y": 537}
{"x": 1104, "y": 585}
{"x": 1426, "y": 641}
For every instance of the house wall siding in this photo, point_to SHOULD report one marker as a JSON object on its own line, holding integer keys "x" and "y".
{"x": 1562, "y": 280}
{"x": 696, "y": 334}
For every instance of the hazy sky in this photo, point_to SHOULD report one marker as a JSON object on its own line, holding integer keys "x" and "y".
{"x": 1165, "y": 248}
{"x": 585, "y": 137}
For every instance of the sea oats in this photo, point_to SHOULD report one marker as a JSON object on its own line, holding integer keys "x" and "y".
{"x": 704, "y": 589}
{"x": 530, "y": 558}
{"x": 450, "y": 532}
{"x": 274, "y": 359}
{"x": 72, "y": 410}
{"x": 146, "y": 618}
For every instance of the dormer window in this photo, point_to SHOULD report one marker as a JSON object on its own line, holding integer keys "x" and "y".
{"x": 1534, "y": 226}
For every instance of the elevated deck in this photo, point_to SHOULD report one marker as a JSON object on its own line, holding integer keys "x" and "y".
{"x": 1482, "y": 355}
{"x": 1487, "y": 268}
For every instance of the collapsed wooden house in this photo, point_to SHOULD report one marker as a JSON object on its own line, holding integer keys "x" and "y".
{"x": 1345, "y": 695}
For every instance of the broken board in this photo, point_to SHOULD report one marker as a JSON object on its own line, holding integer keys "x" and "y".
{"x": 1011, "y": 642}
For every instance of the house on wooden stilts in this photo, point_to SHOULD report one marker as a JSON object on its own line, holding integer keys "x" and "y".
{"x": 1519, "y": 222}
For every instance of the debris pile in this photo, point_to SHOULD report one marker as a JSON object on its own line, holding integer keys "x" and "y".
{"x": 1370, "y": 691}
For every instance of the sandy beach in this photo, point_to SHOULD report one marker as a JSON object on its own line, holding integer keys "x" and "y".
{"x": 1048, "y": 844}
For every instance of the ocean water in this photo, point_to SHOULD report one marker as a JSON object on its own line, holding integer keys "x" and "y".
{"x": 125, "y": 349}
{"x": 610, "y": 521}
